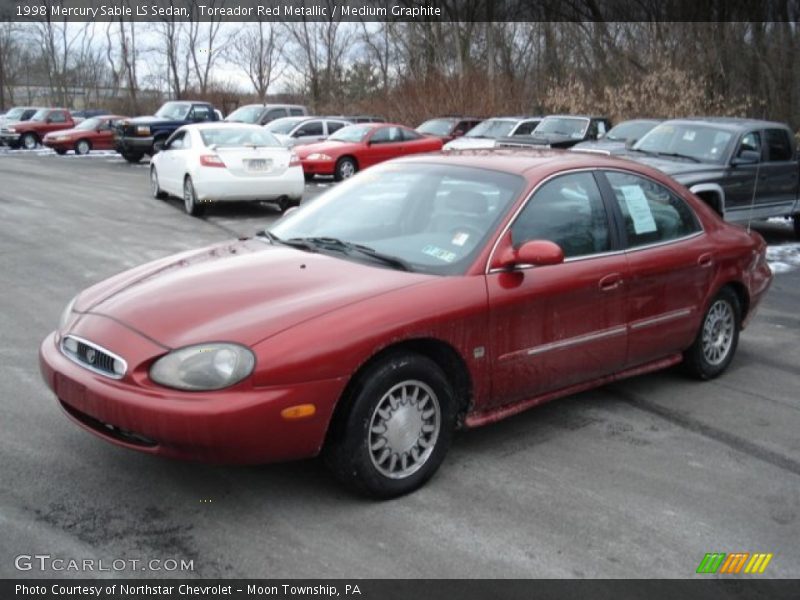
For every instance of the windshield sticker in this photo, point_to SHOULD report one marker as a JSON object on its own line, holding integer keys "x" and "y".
{"x": 439, "y": 253}
{"x": 460, "y": 238}
{"x": 639, "y": 209}
{"x": 689, "y": 136}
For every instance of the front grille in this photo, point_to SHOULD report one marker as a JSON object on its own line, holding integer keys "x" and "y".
{"x": 93, "y": 357}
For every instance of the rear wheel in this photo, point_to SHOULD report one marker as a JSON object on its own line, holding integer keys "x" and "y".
{"x": 309, "y": 176}
{"x": 397, "y": 428}
{"x": 155, "y": 189}
{"x": 345, "y": 168}
{"x": 30, "y": 141}
{"x": 715, "y": 345}
{"x": 83, "y": 147}
{"x": 60, "y": 151}
{"x": 190, "y": 204}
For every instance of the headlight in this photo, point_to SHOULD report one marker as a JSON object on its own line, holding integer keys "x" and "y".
{"x": 319, "y": 156}
{"x": 203, "y": 367}
{"x": 66, "y": 314}
{"x": 11, "y": 130}
{"x": 142, "y": 130}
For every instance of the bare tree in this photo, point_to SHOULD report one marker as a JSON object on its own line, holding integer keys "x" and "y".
{"x": 202, "y": 37}
{"x": 256, "y": 52}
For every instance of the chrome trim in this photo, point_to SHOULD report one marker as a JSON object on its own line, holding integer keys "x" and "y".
{"x": 665, "y": 242}
{"x": 89, "y": 367}
{"x": 670, "y": 316}
{"x": 566, "y": 343}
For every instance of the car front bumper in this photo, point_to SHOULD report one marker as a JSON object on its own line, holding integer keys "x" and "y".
{"x": 240, "y": 425}
{"x": 133, "y": 145}
{"x": 9, "y": 139}
{"x": 318, "y": 167}
{"x": 58, "y": 145}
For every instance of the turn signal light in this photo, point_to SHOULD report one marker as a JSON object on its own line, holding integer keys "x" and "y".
{"x": 301, "y": 411}
{"x": 211, "y": 160}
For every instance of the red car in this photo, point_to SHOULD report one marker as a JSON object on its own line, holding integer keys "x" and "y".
{"x": 426, "y": 294}
{"x": 29, "y": 134}
{"x": 96, "y": 133}
{"x": 360, "y": 146}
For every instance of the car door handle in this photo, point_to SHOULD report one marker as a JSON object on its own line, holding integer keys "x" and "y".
{"x": 705, "y": 260}
{"x": 610, "y": 282}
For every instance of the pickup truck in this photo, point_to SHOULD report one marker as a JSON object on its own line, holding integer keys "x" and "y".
{"x": 30, "y": 133}
{"x": 560, "y": 131}
{"x": 745, "y": 169}
{"x": 146, "y": 135}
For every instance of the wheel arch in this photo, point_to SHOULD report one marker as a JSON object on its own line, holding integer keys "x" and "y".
{"x": 712, "y": 194}
{"x": 440, "y": 352}
{"x": 742, "y": 294}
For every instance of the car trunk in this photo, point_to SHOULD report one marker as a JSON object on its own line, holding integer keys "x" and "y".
{"x": 254, "y": 161}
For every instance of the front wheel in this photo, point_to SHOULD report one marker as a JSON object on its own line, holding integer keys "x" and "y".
{"x": 29, "y": 141}
{"x": 132, "y": 157}
{"x": 715, "y": 345}
{"x": 155, "y": 188}
{"x": 345, "y": 168}
{"x": 396, "y": 430}
{"x": 190, "y": 203}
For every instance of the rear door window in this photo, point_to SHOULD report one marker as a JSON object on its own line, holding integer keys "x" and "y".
{"x": 779, "y": 145}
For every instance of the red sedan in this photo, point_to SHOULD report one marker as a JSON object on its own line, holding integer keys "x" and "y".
{"x": 427, "y": 294}
{"x": 96, "y": 133}
{"x": 357, "y": 147}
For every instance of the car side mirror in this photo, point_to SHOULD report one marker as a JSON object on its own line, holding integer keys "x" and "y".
{"x": 539, "y": 253}
{"x": 747, "y": 157}
{"x": 630, "y": 142}
{"x": 299, "y": 132}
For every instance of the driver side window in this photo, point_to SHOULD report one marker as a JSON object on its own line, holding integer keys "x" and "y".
{"x": 568, "y": 211}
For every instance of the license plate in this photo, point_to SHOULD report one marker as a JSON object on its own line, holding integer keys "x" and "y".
{"x": 258, "y": 164}
{"x": 69, "y": 391}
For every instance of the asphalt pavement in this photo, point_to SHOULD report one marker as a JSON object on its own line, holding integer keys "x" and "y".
{"x": 637, "y": 479}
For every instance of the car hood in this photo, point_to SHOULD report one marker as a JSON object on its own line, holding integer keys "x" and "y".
{"x": 600, "y": 147}
{"x": 329, "y": 148}
{"x": 69, "y": 132}
{"x": 242, "y": 292}
{"x": 151, "y": 120}
{"x": 674, "y": 167}
{"x": 470, "y": 143}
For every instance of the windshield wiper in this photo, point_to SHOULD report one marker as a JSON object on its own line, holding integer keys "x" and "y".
{"x": 678, "y": 155}
{"x": 347, "y": 247}
{"x": 299, "y": 243}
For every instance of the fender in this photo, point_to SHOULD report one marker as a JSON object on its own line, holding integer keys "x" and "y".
{"x": 711, "y": 187}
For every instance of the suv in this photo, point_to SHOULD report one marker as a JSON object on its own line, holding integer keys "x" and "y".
{"x": 147, "y": 135}
{"x": 295, "y": 131}
{"x": 30, "y": 133}
{"x": 745, "y": 169}
{"x": 261, "y": 114}
{"x": 448, "y": 128}
{"x": 561, "y": 131}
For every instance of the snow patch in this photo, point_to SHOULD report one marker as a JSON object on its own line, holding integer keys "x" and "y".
{"x": 783, "y": 258}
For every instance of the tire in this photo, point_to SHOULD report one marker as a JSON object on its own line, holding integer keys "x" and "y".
{"x": 60, "y": 151}
{"x": 190, "y": 204}
{"x": 716, "y": 342}
{"x": 155, "y": 189}
{"x": 132, "y": 157}
{"x": 345, "y": 168}
{"x": 309, "y": 176}
{"x": 83, "y": 147}
{"x": 402, "y": 407}
{"x": 29, "y": 141}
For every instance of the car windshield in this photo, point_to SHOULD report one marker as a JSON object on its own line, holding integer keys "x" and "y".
{"x": 568, "y": 126}
{"x": 90, "y": 124}
{"x": 687, "y": 140}
{"x": 40, "y": 115}
{"x": 351, "y": 133}
{"x": 14, "y": 113}
{"x": 629, "y": 130}
{"x": 431, "y": 218}
{"x": 232, "y": 137}
{"x": 246, "y": 114}
{"x": 436, "y": 127}
{"x": 177, "y": 111}
{"x": 492, "y": 128}
{"x": 284, "y": 125}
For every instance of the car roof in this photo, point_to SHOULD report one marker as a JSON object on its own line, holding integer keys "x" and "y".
{"x": 730, "y": 123}
{"x": 525, "y": 161}
{"x": 575, "y": 117}
{"x": 218, "y": 124}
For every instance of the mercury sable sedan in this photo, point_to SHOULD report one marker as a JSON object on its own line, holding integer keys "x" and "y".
{"x": 425, "y": 294}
